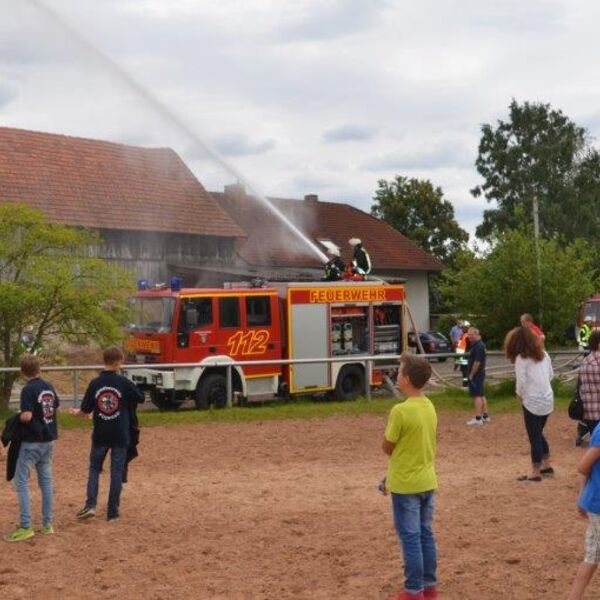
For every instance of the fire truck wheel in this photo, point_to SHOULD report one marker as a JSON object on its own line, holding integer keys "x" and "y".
{"x": 350, "y": 383}
{"x": 164, "y": 401}
{"x": 212, "y": 390}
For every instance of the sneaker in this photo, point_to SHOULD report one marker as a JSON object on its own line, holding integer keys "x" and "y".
{"x": 430, "y": 593}
{"x": 23, "y": 533}
{"x": 86, "y": 512}
{"x": 48, "y": 529}
{"x": 486, "y": 418}
{"x": 112, "y": 519}
{"x": 475, "y": 421}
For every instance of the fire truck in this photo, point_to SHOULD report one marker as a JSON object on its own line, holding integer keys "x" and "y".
{"x": 240, "y": 323}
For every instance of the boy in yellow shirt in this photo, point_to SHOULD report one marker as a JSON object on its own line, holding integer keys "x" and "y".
{"x": 410, "y": 442}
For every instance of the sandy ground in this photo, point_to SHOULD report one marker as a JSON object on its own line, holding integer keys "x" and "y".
{"x": 289, "y": 510}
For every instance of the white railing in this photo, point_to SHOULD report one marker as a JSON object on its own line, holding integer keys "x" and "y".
{"x": 228, "y": 366}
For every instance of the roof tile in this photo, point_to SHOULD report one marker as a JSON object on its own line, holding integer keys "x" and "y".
{"x": 92, "y": 183}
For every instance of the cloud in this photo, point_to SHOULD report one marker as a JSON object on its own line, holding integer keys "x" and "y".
{"x": 332, "y": 19}
{"x": 241, "y": 145}
{"x": 8, "y": 91}
{"x": 445, "y": 154}
{"x": 349, "y": 133}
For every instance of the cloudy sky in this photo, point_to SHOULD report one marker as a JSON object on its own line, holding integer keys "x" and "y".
{"x": 302, "y": 96}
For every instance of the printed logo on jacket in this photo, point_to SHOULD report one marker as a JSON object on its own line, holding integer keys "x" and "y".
{"x": 108, "y": 403}
{"x": 46, "y": 399}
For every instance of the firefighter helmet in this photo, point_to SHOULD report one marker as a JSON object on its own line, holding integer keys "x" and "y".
{"x": 354, "y": 241}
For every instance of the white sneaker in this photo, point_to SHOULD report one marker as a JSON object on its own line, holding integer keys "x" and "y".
{"x": 487, "y": 419}
{"x": 475, "y": 421}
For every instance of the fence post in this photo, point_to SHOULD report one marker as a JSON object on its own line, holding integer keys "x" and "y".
{"x": 229, "y": 388}
{"x": 368, "y": 378}
{"x": 76, "y": 388}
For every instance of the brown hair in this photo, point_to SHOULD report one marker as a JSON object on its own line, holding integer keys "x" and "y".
{"x": 527, "y": 317}
{"x": 112, "y": 355}
{"x": 30, "y": 365}
{"x": 416, "y": 368}
{"x": 521, "y": 341}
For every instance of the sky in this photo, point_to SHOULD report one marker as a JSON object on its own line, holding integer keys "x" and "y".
{"x": 300, "y": 97}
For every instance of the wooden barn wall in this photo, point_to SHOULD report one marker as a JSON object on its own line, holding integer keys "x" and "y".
{"x": 152, "y": 255}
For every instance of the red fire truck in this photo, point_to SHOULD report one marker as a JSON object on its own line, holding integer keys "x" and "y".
{"x": 240, "y": 323}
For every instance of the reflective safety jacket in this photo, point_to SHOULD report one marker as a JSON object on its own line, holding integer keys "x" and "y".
{"x": 461, "y": 348}
{"x": 584, "y": 334}
{"x": 361, "y": 260}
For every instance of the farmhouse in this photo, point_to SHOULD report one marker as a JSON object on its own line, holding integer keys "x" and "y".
{"x": 156, "y": 218}
{"x": 150, "y": 210}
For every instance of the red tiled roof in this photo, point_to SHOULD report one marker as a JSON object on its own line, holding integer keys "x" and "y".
{"x": 98, "y": 184}
{"x": 270, "y": 243}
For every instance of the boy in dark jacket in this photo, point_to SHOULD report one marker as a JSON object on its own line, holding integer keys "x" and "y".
{"x": 39, "y": 403}
{"x": 110, "y": 399}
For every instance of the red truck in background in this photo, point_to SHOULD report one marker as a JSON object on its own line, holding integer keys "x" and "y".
{"x": 240, "y": 323}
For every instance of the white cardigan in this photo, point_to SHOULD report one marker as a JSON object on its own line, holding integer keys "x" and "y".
{"x": 533, "y": 384}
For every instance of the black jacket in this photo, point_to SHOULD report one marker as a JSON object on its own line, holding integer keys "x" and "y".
{"x": 13, "y": 433}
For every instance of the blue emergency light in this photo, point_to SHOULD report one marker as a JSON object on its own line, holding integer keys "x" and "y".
{"x": 143, "y": 284}
{"x": 176, "y": 284}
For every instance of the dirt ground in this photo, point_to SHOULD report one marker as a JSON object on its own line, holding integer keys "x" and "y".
{"x": 289, "y": 510}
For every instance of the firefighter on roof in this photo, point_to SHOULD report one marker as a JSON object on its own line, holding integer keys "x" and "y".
{"x": 334, "y": 267}
{"x": 361, "y": 261}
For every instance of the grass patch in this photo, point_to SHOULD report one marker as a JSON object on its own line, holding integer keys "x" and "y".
{"x": 501, "y": 399}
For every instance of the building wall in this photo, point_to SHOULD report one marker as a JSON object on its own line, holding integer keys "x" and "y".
{"x": 152, "y": 255}
{"x": 417, "y": 295}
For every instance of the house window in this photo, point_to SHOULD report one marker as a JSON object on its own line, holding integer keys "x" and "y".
{"x": 329, "y": 244}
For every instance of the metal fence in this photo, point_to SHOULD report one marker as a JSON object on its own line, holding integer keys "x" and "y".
{"x": 368, "y": 360}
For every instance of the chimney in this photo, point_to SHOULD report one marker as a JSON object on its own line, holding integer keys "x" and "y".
{"x": 311, "y": 198}
{"x": 235, "y": 190}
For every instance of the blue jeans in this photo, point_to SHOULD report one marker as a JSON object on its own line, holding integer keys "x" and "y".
{"x": 38, "y": 455}
{"x": 413, "y": 518}
{"x": 118, "y": 458}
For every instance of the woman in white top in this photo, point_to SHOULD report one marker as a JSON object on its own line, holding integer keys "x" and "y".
{"x": 533, "y": 372}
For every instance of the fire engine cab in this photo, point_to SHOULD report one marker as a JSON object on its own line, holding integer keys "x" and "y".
{"x": 240, "y": 323}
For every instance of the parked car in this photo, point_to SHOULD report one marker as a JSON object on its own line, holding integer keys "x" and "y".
{"x": 432, "y": 342}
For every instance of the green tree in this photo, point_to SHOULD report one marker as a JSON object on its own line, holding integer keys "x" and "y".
{"x": 498, "y": 287}
{"x": 419, "y": 211}
{"x": 49, "y": 286}
{"x": 538, "y": 152}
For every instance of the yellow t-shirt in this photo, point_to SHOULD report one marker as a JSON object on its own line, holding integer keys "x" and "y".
{"x": 412, "y": 426}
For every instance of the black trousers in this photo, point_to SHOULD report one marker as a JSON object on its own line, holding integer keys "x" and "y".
{"x": 534, "y": 424}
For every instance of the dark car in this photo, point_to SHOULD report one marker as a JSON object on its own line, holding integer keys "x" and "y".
{"x": 432, "y": 342}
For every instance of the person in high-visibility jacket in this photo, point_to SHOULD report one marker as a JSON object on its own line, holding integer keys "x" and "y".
{"x": 585, "y": 332}
{"x": 361, "y": 261}
{"x": 462, "y": 361}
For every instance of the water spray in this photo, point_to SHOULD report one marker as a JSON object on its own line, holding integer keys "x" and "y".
{"x": 166, "y": 114}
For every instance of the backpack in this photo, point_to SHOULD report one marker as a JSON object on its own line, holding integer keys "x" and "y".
{"x": 576, "y": 405}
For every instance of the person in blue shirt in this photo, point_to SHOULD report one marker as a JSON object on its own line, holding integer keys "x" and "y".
{"x": 476, "y": 377}
{"x": 39, "y": 403}
{"x": 456, "y": 333}
{"x": 589, "y": 508}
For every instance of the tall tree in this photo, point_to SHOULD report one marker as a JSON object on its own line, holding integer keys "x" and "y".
{"x": 49, "y": 286}
{"x": 418, "y": 210}
{"x": 538, "y": 152}
{"x": 501, "y": 285}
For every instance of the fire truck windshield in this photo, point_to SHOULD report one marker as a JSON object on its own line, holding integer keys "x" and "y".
{"x": 152, "y": 314}
{"x": 591, "y": 311}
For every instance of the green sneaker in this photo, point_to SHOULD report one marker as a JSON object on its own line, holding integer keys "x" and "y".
{"x": 19, "y": 535}
{"x": 47, "y": 529}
